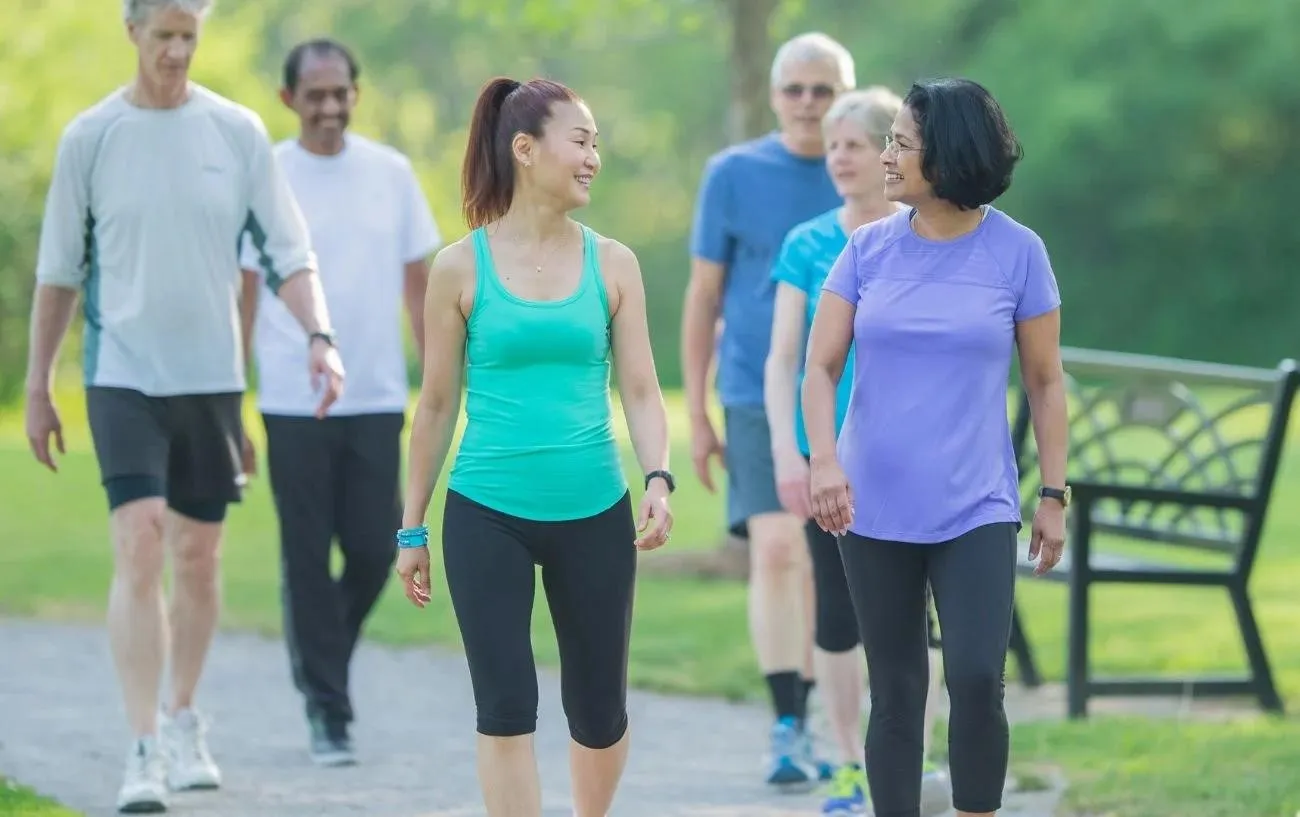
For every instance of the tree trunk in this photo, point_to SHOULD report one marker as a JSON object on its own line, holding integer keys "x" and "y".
{"x": 749, "y": 58}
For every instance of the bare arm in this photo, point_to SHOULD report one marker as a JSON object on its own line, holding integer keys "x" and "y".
{"x": 305, "y": 299}
{"x": 781, "y": 370}
{"x": 52, "y": 310}
{"x": 828, "y": 348}
{"x": 634, "y": 364}
{"x": 1038, "y": 341}
{"x": 415, "y": 282}
{"x": 699, "y": 333}
{"x": 248, "y": 297}
{"x": 434, "y": 421}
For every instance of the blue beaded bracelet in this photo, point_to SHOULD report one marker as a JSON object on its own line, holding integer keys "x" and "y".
{"x": 413, "y": 537}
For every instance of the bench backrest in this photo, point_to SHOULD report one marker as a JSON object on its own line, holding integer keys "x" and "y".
{"x": 1187, "y": 426}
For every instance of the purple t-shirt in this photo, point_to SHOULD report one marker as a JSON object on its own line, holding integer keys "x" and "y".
{"x": 926, "y": 445}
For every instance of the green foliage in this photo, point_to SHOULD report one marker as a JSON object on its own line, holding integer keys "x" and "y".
{"x": 1157, "y": 165}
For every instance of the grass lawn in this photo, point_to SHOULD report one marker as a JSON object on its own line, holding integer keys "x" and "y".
{"x": 691, "y": 636}
{"x": 19, "y": 801}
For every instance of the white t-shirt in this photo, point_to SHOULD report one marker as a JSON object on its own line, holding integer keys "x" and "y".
{"x": 144, "y": 213}
{"x": 368, "y": 218}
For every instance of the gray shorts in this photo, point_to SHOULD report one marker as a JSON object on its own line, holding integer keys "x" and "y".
{"x": 751, "y": 475}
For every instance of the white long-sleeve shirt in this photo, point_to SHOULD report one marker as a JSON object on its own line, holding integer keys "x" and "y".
{"x": 145, "y": 213}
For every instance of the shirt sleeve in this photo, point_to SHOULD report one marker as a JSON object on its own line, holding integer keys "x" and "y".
{"x": 421, "y": 236}
{"x": 711, "y": 238}
{"x": 1038, "y": 292}
{"x": 248, "y": 255}
{"x": 276, "y": 227}
{"x": 843, "y": 280}
{"x": 791, "y": 265}
{"x": 65, "y": 252}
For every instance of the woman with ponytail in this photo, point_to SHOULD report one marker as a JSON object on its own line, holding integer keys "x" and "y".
{"x": 527, "y": 313}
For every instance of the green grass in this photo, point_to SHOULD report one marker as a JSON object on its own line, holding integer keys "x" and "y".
{"x": 20, "y": 801}
{"x": 691, "y": 636}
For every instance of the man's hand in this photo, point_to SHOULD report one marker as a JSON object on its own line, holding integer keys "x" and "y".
{"x": 704, "y": 446}
{"x": 326, "y": 374}
{"x": 42, "y": 422}
{"x": 248, "y": 456}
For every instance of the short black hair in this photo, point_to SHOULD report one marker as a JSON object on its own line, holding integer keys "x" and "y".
{"x": 319, "y": 47}
{"x": 969, "y": 148}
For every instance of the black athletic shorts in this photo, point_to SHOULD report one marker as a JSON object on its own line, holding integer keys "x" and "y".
{"x": 184, "y": 448}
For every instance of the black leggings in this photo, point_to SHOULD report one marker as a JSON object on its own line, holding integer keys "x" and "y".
{"x": 836, "y": 624}
{"x": 588, "y": 572}
{"x": 973, "y": 579}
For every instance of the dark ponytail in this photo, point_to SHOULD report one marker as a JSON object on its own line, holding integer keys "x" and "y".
{"x": 504, "y": 108}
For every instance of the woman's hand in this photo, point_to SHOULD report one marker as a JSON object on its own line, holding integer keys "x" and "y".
{"x": 1047, "y": 538}
{"x": 832, "y": 499}
{"x": 413, "y": 567}
{"x": 654, "y": 519}
{"x": 792, "y": 484}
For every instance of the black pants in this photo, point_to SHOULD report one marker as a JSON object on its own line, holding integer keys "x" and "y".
{"x": 336, "y": 477}
{"x": 836, "y": 624}
{"x": 973, "y": 580}
{"x": 588, "y": 571}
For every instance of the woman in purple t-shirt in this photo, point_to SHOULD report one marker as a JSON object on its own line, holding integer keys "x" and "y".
{"x": 922, "y": 484}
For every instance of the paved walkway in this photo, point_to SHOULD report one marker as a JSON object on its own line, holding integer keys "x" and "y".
{"x": 61, "y": 732}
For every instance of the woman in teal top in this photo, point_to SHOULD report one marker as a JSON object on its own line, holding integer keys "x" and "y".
{"x": 530, "y": 309}
{"x": 854, "y": 128}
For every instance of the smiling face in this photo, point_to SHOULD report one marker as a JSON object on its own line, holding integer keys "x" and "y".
{"x": 563, "y": 162}
{"x": 165, "y": 43}
{"x": 853, "y": 160}
{"x": 901, "y": 160}
{"x": 801, "y": 95}
{"x": 323, "y": 97}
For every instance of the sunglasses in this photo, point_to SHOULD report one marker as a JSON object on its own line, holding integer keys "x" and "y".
{"x": 796, "y": 90}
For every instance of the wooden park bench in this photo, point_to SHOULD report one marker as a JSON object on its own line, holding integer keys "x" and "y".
{"x": 1176, "y": 453}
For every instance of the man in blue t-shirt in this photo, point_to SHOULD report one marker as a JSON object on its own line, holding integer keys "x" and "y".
{"x": 750, "y": 196}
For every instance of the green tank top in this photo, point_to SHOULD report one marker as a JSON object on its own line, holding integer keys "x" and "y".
{"x": 539, "y": 436}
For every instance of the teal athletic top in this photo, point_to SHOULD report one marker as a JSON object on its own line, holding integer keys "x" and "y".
{"x": 539, "y": 437}
{"x": 806, "y": 257}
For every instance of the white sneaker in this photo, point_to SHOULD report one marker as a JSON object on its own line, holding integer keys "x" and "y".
{"x": 189, "y": 764}
{"x": 144, "y": 789}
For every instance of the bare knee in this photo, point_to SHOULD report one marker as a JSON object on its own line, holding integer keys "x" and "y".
{"x": 138, "y": 545}
{"x": 778, "y": 546}
{"x": 196, "y": 549}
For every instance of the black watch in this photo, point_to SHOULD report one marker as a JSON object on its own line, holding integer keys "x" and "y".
{"x": 326, "y": 336}
{"x": 665, "y": 476}
{"x": 1059, "y": 494}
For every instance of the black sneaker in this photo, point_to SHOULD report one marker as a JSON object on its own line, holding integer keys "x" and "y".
{"x": 330, "y": 743}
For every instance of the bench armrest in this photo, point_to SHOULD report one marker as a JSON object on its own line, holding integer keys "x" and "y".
{"x": 1086, "y": 492}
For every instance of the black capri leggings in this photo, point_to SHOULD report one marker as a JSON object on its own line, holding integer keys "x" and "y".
{"x": 588, "y": 573}
{"x": 973, "y": 580}
{"x": 836, "y": 627}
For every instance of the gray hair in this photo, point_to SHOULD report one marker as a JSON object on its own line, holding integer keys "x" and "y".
{"x": 137, "y": 11}
{"x": 873, "y": 109}
{"x": 815, "y": 46}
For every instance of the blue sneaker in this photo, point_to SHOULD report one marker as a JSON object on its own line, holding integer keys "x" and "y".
{"x": 847, "y": 794}
{"x": 824, "y": 768}
{"x": 789, "y": 767}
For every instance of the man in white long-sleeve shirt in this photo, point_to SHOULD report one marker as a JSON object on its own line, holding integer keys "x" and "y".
{"x": 152, "y": 189}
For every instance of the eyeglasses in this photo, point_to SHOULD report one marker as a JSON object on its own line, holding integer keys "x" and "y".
{"x": 892, "y": 146}
{"x": 820, "y": 91}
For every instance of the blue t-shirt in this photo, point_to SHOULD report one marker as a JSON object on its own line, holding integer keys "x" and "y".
{"x": 750, "y": 196}
{"x": 806, "y": 258}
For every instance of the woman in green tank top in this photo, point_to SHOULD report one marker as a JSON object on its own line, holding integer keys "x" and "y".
{"x": 527, "y": 315}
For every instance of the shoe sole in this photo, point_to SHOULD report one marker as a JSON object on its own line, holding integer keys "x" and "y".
{"x": 333, "y": 761}
{"x": 143, "y": 807}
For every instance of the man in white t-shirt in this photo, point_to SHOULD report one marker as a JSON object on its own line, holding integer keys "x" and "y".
{"x": 338, "y": 477}
{"x": 152, "y": 188}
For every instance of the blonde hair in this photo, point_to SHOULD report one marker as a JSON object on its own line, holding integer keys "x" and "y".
{"x": 815, "y": 46}
{"x": 873, "y": 109}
